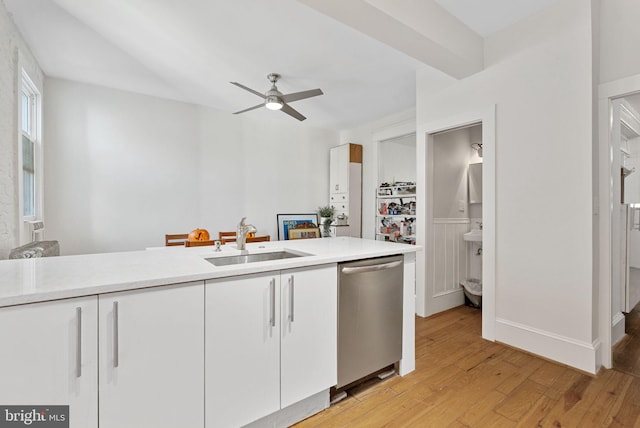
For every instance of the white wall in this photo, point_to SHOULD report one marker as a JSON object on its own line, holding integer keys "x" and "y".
{"x": 619, "y": 38}
{"x": 396, "y": 159}
{"x": 12, "y": 47}
{"x": 368, "y": 135}
{"x": 123, "y": 169}
{"x": 538, "y": 74}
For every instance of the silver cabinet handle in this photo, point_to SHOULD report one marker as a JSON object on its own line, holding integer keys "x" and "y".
{"x": 291, "y": 284}
{"x": 272, "y": 309}
{"x": 360, "y": 269}
{"x": 115, "y": 334}
{"x": 79, "y": 341}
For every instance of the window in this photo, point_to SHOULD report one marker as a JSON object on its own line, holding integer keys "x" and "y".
{"x": 29, "y": 140}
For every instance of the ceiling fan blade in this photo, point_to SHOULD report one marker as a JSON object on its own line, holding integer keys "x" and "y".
{"x": 301, "y": 95}
{"x": 286, "y": 108}
{"x": 239, "y": 85}
{"x": 250, "y": 108}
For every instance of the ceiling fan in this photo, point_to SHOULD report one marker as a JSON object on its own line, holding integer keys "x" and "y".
{"x": 276, "y": 100}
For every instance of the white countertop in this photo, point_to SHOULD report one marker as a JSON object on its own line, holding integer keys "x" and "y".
{"x": 49, "y": 278}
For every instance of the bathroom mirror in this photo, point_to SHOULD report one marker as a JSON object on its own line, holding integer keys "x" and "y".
{"x": 475, "y": 183}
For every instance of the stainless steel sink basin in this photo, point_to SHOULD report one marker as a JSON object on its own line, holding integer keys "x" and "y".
{"x": 252, "y": 258}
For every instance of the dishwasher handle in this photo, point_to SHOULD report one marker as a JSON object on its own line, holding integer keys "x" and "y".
{"x": 371, "y": 268}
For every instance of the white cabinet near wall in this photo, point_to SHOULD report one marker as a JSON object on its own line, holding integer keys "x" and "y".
{"x": 308, "y": 348}
{"x": 345, "y": 186}
{"x": 152, "y": 357}
{"x": 49, "y": 357}
{"x": 270, "y": 342}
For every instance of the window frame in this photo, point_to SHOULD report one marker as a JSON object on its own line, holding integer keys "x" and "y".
{"x": 33, "y": 134}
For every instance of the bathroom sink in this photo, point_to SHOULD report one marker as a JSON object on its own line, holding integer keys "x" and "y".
{"x": 253, "y": 257}
{"x": 474, "y": 236}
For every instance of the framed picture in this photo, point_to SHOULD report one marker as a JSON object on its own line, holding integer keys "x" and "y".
{"x": 290, "y": 221}
{"x": 306, "y": 233}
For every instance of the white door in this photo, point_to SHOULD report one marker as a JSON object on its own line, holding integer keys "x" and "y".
{"x": 309, "y": 332}
{"x": 152, "y": 357}
{"x": 48, "y": 356}
{"x": 242, "y": 349}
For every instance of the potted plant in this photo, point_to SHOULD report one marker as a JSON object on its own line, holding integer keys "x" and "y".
{"x": 326, "y": 218}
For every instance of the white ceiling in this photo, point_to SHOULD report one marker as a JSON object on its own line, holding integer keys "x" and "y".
{"x": 189, "y": 50}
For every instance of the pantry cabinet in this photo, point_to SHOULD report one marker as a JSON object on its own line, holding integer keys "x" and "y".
{"x": 270, "y": 342}
{"x": 49, "y": 357}
{"x": 151, "y": 345}
{"x": 345, "y": 187}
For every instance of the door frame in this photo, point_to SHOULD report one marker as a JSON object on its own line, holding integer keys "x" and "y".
{"x": 424, "y": 149}
{"x": 608, "y": 222}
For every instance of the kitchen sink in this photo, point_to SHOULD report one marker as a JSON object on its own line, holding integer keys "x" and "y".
{"x": 253, "y": 257}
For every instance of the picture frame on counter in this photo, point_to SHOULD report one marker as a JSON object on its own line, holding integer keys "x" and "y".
{"x": 305, "y": 233}
{"x": 290, "y": 221}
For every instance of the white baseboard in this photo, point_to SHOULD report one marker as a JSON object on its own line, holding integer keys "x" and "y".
{"x": 445, "y": 301}
{"x": 617, "y": 328}
{"x": 581, "y": 355}
{"x": 295, "y": 412}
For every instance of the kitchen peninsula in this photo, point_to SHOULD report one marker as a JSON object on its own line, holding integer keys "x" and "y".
{"x": 134, "y": 338}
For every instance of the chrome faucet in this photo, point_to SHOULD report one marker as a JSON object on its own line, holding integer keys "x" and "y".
{"x": 241, "y": 233}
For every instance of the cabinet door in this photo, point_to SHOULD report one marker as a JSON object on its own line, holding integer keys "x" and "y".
{"x": 339, "y": 169}
{"x": 242, "y": 349}
{"x": 49, "y": 357}
{"x": 309, "y": 332}
{"x": 152, "y": 357}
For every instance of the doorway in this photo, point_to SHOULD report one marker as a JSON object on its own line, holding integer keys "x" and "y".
{"x": 428, "y": 299}
{"x": 625, "y": 290}
{"x": 614, "y": 218}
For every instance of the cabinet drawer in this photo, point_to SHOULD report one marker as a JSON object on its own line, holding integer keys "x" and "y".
{"x": 339, "y": 197}
{"x": 340, "y": 207}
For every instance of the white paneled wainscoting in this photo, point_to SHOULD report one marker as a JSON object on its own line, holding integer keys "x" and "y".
{"x": 447, "y": 263}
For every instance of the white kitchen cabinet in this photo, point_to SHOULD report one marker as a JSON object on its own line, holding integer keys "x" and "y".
{"x": 308, "y": 332}
{"x": 49, "y": 357}
{"x": 151, "y": 348}
{"x": 260, "y": 359}
{"x": 339, "y": 169}
{"x": 242, "y": 349}
{"x": 345, "y": 185}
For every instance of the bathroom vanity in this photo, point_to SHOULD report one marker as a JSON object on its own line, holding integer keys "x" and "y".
{"x": 165, "y": 337}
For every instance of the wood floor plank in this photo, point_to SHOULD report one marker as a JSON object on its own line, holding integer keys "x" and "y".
{"x": 476, "y": 411}
{"x": 547, "y": 373}
{"x": 608, "y": 402}
{"x": 521, "y": 400}
{"x": 537, "y": 414}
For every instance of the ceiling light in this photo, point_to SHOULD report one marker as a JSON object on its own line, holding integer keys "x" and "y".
{"x": 273, "y": 103}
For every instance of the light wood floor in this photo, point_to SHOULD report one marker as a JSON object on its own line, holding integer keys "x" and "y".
{"x": 462, "y": 380}
{"x": 626, "y": 353}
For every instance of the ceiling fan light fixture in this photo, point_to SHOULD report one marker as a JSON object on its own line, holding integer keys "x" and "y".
{"x": 273, "y": 103}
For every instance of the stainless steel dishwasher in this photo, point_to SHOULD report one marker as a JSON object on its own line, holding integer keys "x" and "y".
{"x": 369, "y": 316}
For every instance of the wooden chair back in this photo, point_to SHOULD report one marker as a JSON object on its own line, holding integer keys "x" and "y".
{"x": 176, "y": 239}
{"x": 227, "y": 237}
{"x": 198, "y": 243}
{"x": 263, "y": 238}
